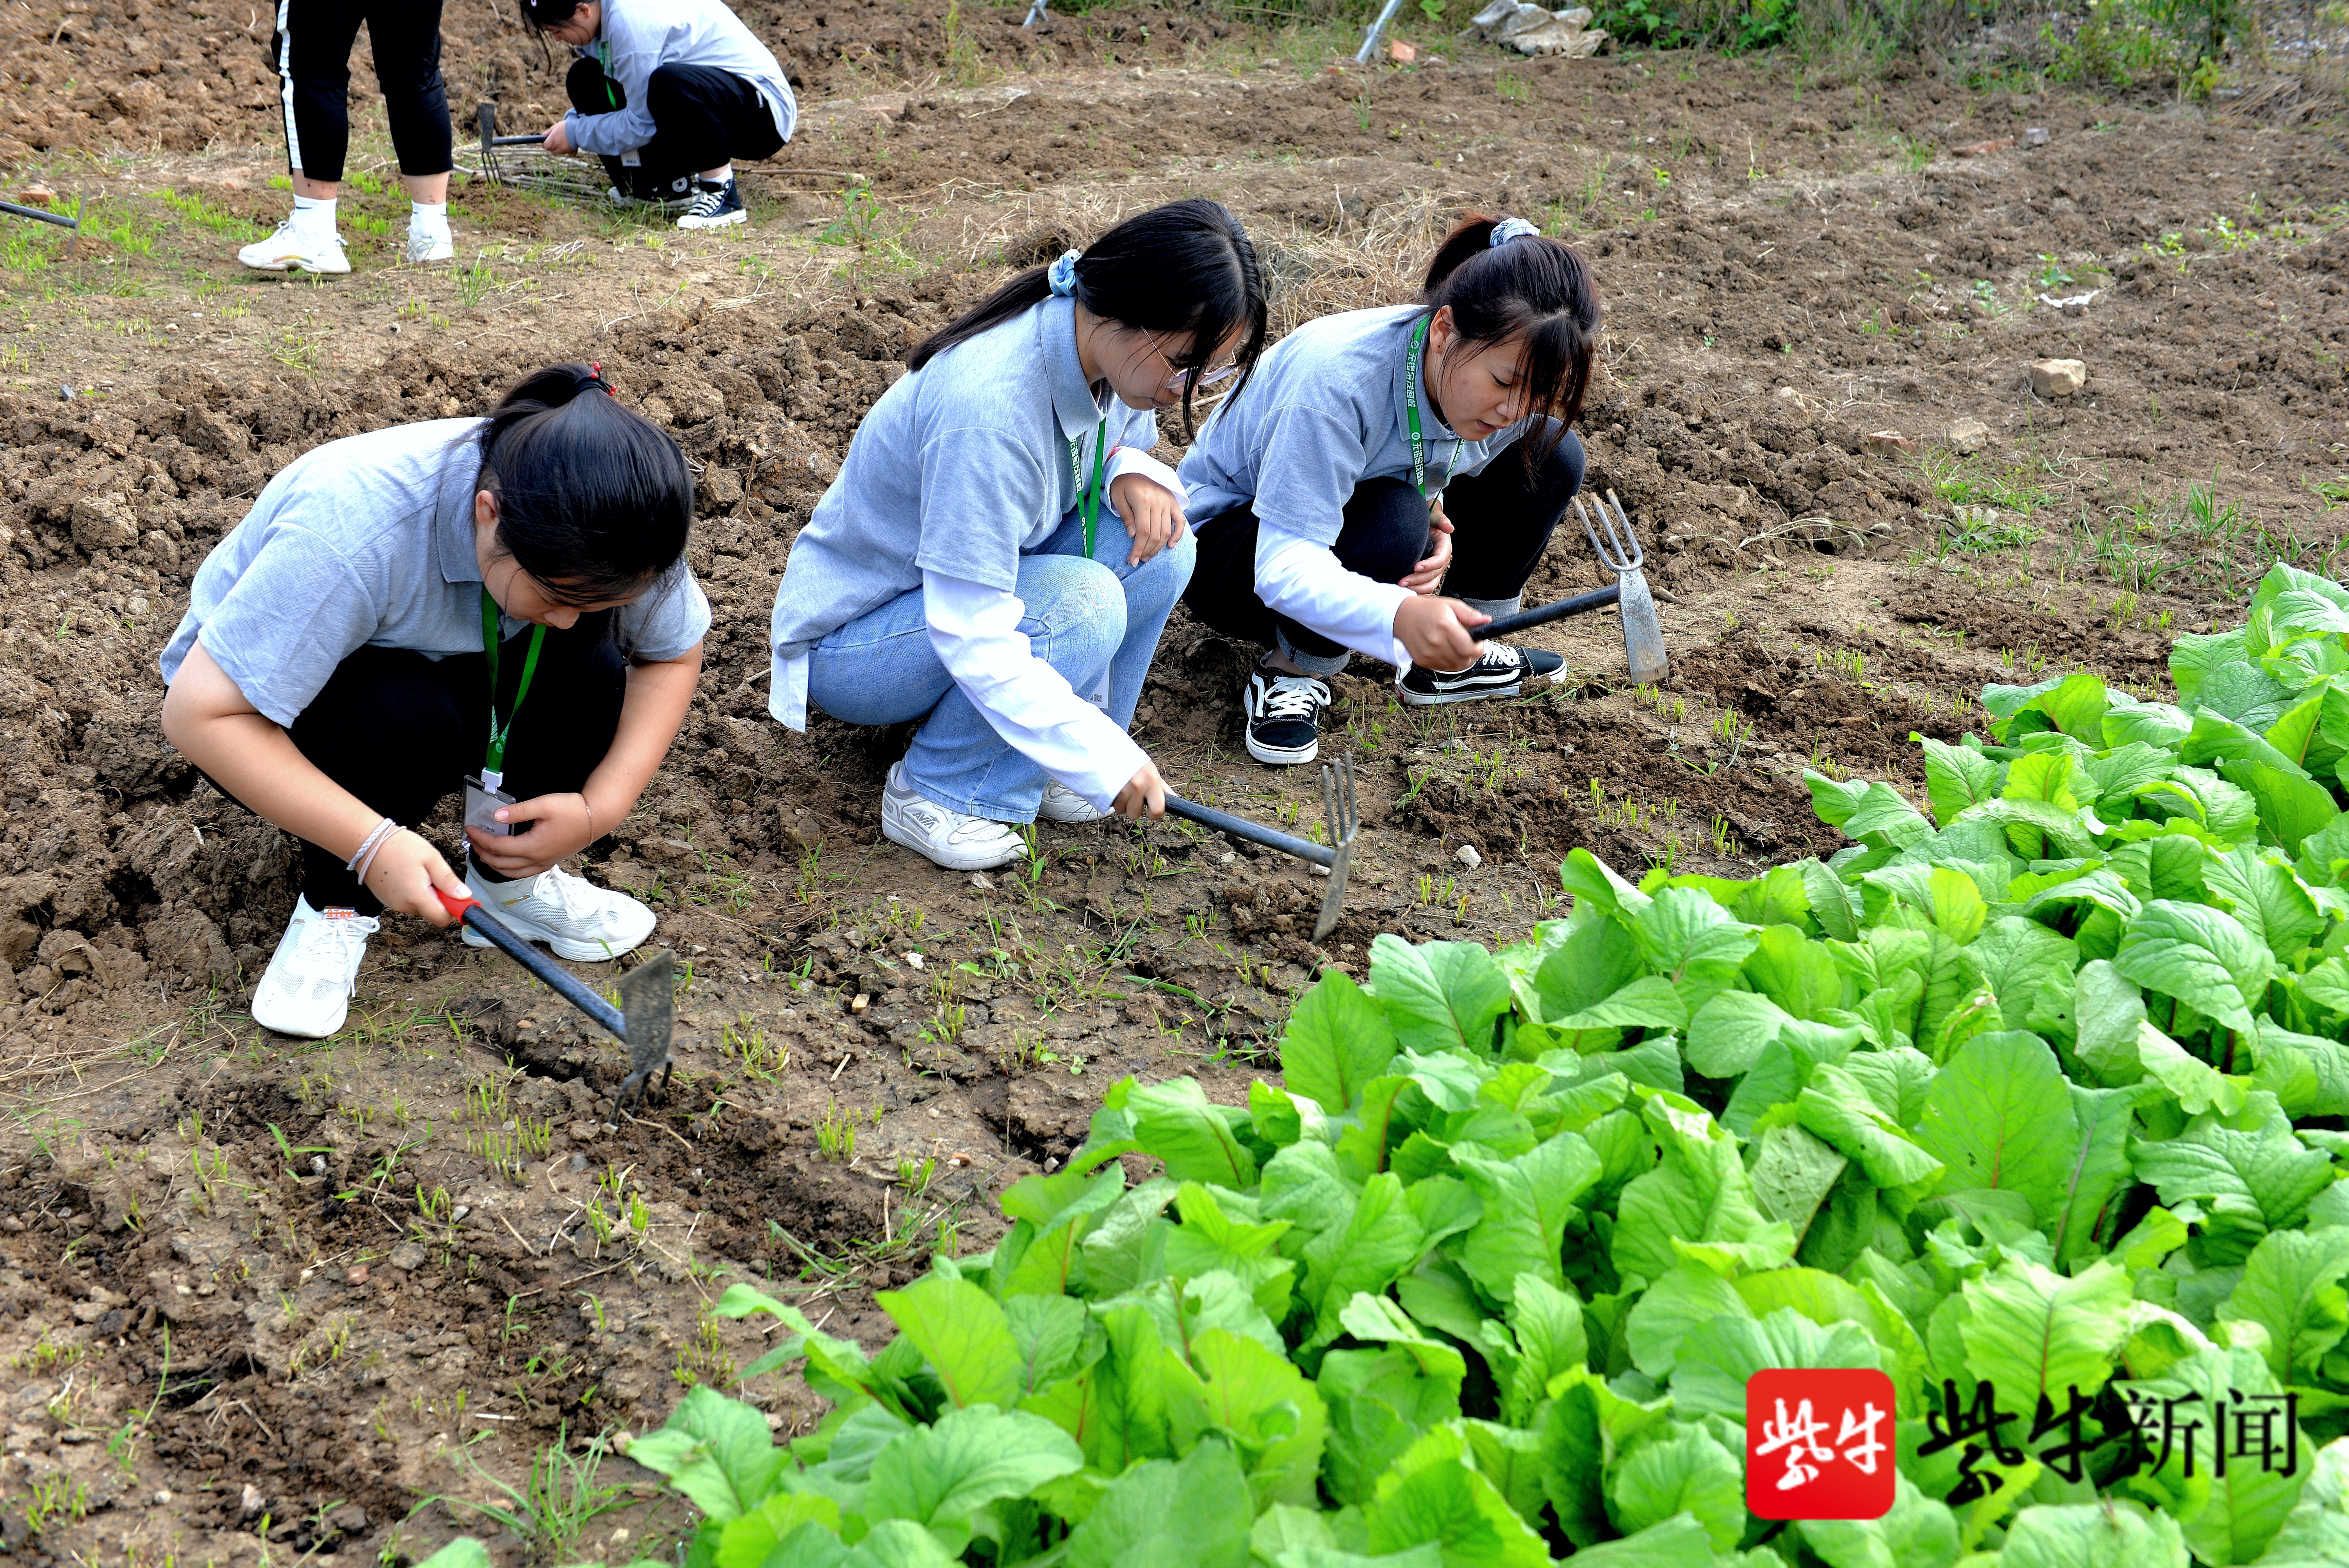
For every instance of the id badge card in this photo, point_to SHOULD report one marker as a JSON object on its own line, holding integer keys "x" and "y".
{"x": 482, "y": 809}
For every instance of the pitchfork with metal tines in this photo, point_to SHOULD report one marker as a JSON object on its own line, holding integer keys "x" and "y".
{"x": 1643, "y": 638}
{"x": 1339, "y": 812}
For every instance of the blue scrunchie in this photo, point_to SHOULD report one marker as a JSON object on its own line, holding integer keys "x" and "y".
{"x": 1062, "y": 274}
{"x": 1509, "y": 229}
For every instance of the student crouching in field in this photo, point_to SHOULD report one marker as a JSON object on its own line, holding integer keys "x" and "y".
{"x": 1000, "y": 552}
{"x": 392, "y": 599}
{"x": 1329, "y": 495}
{"x": 667, "y": 93}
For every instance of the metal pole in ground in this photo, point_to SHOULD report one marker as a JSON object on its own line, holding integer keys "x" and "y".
{"x": 1371, "y": 39}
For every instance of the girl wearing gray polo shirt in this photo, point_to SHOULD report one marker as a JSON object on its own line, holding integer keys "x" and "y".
{"x": 1327, "y": 496}
{"x": 395, "y": 597}
{"x": 1000, "y": 552}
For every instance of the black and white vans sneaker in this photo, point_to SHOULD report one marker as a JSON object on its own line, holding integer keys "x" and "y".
{"x": 1284, "y": 715}
{"x": 716, "y": 204}
{"x": 1503, "y": 671}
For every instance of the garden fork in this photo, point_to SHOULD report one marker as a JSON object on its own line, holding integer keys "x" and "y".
{"x": 1643, "y": 638}
{"x": 1340, "y": 814}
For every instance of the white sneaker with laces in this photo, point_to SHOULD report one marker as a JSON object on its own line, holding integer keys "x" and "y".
{"x": 1063, "y": 804}
{"x": 426, "y": 246}
{"x": 948, "y": 839}
{"x": 305, "y": 992}
{"x": 295, "y": 250}
{"x": 582, "y": 921}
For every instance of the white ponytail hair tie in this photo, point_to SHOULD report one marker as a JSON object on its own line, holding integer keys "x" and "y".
{"x": 1062, "y": 274}
{"x": 1509, "y": 229}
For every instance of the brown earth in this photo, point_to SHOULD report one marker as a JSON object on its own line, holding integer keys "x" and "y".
{"x": 399, "y": 1261}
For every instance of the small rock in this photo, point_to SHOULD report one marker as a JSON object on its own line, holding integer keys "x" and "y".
{"x": 578, "y": 1163}
{"x": 1984, "y": 149}
{"x": 864, "y": 1000}
{"x": 1401, "y": 53}
{"x": 1467, "y": 856}
{"x": 2035, "y": 136}
{"x": 1317, "y": 870}
{"x": 1969, "y": 436}
{"x": 1226, "y": 858}
{"x": 252, "y": 1503}
{"x": 1786, "y": 396}
{"x": 162, "y": 1497}
{"x": 1888, "y": 443}
{"x": 460, "y": 1212}
{"x": 408, "y": 1256}
{"x": 982, "y": 881}
{"x": 350, "y": 1518}
{"x": 357, "y": 1275}
{"x": 1051, "y": 1163}
{"x": 2057, "y": 377}
{"x": 36, "y": 196}
{"x": 915, "y": 959}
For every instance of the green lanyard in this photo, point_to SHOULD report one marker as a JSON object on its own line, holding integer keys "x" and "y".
{"x": 1089, "y": 497}
{"x": 493, "y": 761}
{"x": 1410, "y": 415}
{"x": 603, "y": 59}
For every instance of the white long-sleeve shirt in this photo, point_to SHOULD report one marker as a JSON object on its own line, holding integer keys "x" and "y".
{"x": 1307, "y": 582}
{"x": 975, "y": 631}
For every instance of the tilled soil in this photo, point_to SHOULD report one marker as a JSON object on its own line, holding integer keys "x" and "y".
{"x": 395, "y": 1263}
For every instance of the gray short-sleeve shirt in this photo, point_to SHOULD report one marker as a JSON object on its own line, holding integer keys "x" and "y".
{"x": 961, "y": 467}
{"x": 368, "y": 541}
{"x": 1324, "y": 412}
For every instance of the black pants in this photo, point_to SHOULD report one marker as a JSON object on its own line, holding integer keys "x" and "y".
{"x": 401, "y": 732}
{"x": 1501, "y": 524}
{"x": 703, "y": 118}
{"x": 313, "y": 53}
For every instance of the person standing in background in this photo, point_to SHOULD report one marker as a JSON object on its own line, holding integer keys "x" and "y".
{"x": 312, "y": 48}
{"x": 667, "y": 93}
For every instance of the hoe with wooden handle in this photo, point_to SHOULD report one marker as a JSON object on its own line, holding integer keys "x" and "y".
{"x": 1338, "y": 813}
{"x": 644, "y": 1019}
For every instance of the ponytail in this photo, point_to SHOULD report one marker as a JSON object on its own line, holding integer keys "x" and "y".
{"x": 1536, "y": 292}
{"x": 1186, "y": 267}
{"x": 594, "y": 500}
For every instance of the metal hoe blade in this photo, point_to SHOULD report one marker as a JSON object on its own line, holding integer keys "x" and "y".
{"x": 1643, "y": 635}
{"x": 648, "y": 1002}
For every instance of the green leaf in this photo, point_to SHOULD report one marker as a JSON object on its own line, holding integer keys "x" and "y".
{"x": 2202, "y": 957}
{"x": 1693, "y": 942}
{"x": 1237, "y": 1385}
{"x": 1792, "y": 1172}
{"x": 1648, "y": 1002}
{"x": 1835, "y": 1108}
{"x": 464, "y": 1551}
{"x": 2230, "y": 1518}
{"x": 1689, "y": 1473}
{"x": 1731, "y": 1031}
{"x": 1798, "y": 974}
{"x": 747, "y": 1541}
{"x": 2291, "y": 805}
{"x": 2099, "y": 1167}
{"x": 899, "y": 1544}
{"x": 2029, "y": 969}
{"x": 1160, "y": 1515}
{"x": 1048, "y": 1332}
{"x": 1698, "y": 1195}
{"x": 962, "y": 1332}
{"x": 1198, "y": 1141}
{"x": 717, "y": 1451}
{"x": 1956, "y": 778}
{"x": 1999, "y": 1115}
{"x": 1919, "y": 1533}
{"x": 1546, "y": 1322}
{"x": 2193, "y": 658}
{"x": 1337, "y": 1040}
{"x": 2030, "y": 1331}
{"x": 1664, "y": 1314}
{"x": 2315, "y": 1534}
{"x": 2265, "y": 897}
{"x": 938, "y": 1476}
{"x": 1872, "y": 812}
{"x": 2109, "y": 1534}
{"x": 2292, "y": 1288}
{"x": 1439, "y": 995}
{"x": 1719, "y": 1355}
{"x": 1681, "y": 1542}
{"x": 1528, "y": 1201}
{"x": 1600, "y": 958}
{"x": 1379, "y": 1239}
{"x": 1451, "y": 1505}
{"x": 2263, "y": 1175}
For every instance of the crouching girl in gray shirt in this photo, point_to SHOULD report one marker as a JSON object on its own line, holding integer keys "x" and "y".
{"x": 392, "y": 599}
{"x": 1000, "y": 552}
{"x": 1322, "y": 497}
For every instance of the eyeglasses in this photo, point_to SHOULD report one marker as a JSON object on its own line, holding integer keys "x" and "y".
{"x": 1212, "y": 375}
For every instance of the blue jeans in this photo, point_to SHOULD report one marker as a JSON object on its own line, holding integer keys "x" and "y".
{"x": 1087, "y": 619}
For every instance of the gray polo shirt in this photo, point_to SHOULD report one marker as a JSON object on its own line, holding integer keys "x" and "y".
{"x": 961, "y": 467}
{"x": 1324, "y": 412}
{"x": 639, "y": 36}
{"x": 367, "y": 542}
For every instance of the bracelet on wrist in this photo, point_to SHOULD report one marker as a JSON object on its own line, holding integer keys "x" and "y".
{"x": 363, "y": 862}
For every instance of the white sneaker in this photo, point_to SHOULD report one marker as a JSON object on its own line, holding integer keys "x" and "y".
{"x": 291, "y": 249}
{"x": 582, "y": 921}
{"x": 425, "y": 247}
{"x": 305, "y": 992}
{"x": 1063, "y": 804}
{"x": 949, "y": 839}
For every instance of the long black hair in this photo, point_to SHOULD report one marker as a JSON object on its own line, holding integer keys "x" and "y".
{"x": 1184, "y": 267}
{"x": 1533, "y": 290}
{"x": 594, "y": 500}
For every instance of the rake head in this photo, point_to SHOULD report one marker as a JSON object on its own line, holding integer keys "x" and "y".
{"x": 524, "y": 163}
{"x": 1643, "y": 635}
{"x": 1343, "y": 819}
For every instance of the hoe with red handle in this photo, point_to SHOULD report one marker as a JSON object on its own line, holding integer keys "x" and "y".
{"x": 643, "y": 1021}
